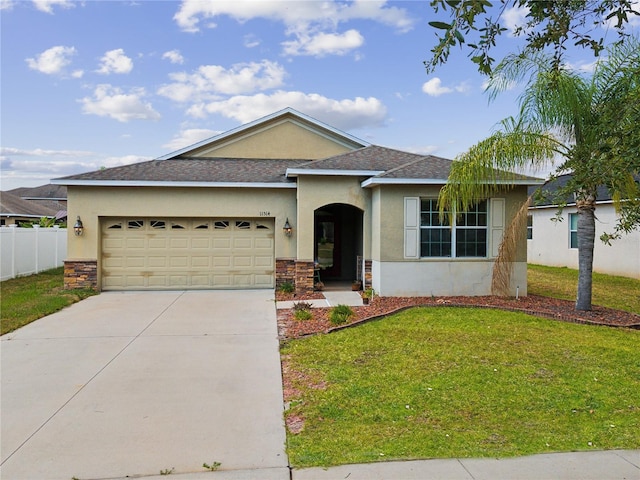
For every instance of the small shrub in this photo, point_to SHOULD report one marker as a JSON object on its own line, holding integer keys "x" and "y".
{"x": 340, "y": 314}
{"x": 303, "y": 315}
{"x": 287, "y": 287}
{"x": 302, "y": 306}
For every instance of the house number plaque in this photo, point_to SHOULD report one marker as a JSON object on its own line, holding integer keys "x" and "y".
{"x": 265, "y": 214}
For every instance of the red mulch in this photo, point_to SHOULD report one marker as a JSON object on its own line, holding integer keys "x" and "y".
{"x": 563, "y": 310}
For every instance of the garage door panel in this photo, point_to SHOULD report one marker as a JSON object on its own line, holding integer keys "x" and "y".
{"x": 157, "y": 243}
{"x": 221, "y": 280}
{"x": 116, "y": 243}
{"x": 239, "y": 261}
{"x": 133, "y": 262}
{"x": 180, "y": 242}
{"x": 180, "y": 262}
{"x": 221, "y": 243}
{"x": 201, "y": 262}
{"x": 263, "y": 261}
{"x": 221, "y": 261}
{"x": 265, "y": 280}
{"x": 200, "y": 243}
{"x": 158, "y": 262}
{"x": 134, "y": 243}
{"x": 266, "y": 243}
{"x": 176, "y": 253}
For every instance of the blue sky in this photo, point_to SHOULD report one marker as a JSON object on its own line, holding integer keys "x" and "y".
{"x": 96, "y": 84}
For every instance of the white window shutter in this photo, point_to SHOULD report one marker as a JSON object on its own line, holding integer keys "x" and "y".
{"x": 496, "y": 217}
{"x": 411, "y": 227}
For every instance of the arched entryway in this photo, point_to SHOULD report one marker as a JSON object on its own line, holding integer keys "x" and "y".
{"x": 338, "y": 242}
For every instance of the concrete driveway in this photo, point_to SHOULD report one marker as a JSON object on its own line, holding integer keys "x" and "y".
{"x": 135, "y": 383}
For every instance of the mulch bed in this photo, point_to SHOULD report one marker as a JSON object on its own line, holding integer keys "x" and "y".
{"x": 564, "y": 310}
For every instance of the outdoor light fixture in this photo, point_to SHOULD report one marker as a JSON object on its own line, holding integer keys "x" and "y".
{"x": 78, "y": 228}
{"x": 287, "y": 228}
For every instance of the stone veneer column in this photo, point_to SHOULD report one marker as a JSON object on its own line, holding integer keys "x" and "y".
{"x": 304, "y": 277}
{"x": 367, "y": 274}
{"x": 285, "y": 271}
{"x": 80, "y": 274}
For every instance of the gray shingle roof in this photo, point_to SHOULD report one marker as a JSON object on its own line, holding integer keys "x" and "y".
{"x": 12, "y": 205}
{"x": 371, "y": 158}
{"x": 48, "y": 191}
{"x": 387, "y": 163}
{"x": 197, "y": 170}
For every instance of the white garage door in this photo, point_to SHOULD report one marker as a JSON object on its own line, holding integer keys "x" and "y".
{"x": 177, "y": 253}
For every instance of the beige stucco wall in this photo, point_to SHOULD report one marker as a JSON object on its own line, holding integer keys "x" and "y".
{"x": 388, "y": 224}
{"x": 92, "y": 203}
{"x": 283, "y": 140}
{"x": 317, "y": 191}
{"x": 395, "y": 275}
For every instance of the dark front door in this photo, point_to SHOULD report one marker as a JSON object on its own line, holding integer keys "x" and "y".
{"x": 327, "y": 246}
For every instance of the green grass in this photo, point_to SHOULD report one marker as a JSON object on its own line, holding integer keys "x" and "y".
{"x": 447, "y": 382}
{"x": 26, "y": 299}
{"x": 621, "y": 293}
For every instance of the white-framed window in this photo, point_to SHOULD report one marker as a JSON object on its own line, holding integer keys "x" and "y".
{"x": 573, "y": 230}
{"x": 467, "y": 238}
{"x": 529, "y": 227}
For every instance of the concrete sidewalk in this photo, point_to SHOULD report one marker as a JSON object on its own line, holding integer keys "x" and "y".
{"x": 331, "y": 299}
{"x": 608, "y": 465}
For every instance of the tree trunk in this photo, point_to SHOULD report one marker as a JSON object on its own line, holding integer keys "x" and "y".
{"x": 586, "y": 239}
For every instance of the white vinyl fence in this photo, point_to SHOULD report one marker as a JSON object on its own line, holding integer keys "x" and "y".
{"x": 25, "y": 251}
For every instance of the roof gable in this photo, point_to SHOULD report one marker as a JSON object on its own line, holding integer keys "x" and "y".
{"x": 287, "y": 134}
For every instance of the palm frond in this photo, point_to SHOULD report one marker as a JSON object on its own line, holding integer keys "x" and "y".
{"x": 488, "y": 167}
{"x": 503, "y": 266}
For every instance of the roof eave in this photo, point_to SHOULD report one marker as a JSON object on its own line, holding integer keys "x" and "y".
{"x": 294, "y": 172}
{"x": 370, "y": 182}
{"x": 151, "y": 183}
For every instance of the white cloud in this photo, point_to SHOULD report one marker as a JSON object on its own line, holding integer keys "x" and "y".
{"x": 515, "y": 17}
{"x": 633, "y": 20}
{"x": 40, "y": 152}
{"x": 312, "y": 24}
{"x": 6, "y": 4}
{"x": 47, "y": 5}
{"x": 53, "y": 60}
{"x": 211, "y": 80}
{"x": 189, "y": 137}
{"x": 109, "y": 101}
{"x": 344, "y": 114}
{"x": 421, "y": 150}
{"x": 434, "y": 87}
{"x": 323, "y": 44}
{"x": 30, "y": 169}
{"x": 251, "y": 41}
{"x": 174, "y": 56}
{"x": 115, "y": 61}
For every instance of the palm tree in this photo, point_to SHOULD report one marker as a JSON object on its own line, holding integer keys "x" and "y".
{"x": 563, "y": 116}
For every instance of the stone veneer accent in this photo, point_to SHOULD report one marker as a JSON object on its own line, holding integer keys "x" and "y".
{"x": 367, "y": 274}
{"x": 285, "y": 271}
{"x": 304, "y": 277}
{"x": 80, "y": 274}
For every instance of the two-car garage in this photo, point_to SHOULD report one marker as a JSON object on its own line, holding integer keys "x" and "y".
{"x": 187, "y": 253}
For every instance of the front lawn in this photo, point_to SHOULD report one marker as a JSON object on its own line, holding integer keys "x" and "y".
{"x": 460, "y": 382}
{"x": 621, "y": 293}
{"x": 25, "y": 299}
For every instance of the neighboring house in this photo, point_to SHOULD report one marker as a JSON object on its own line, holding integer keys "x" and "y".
{"x": 553, "y": 240}
{"x": 15, "y": 211}
{"x": 51, "y": 196}
{"x": 213, "y": 215}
